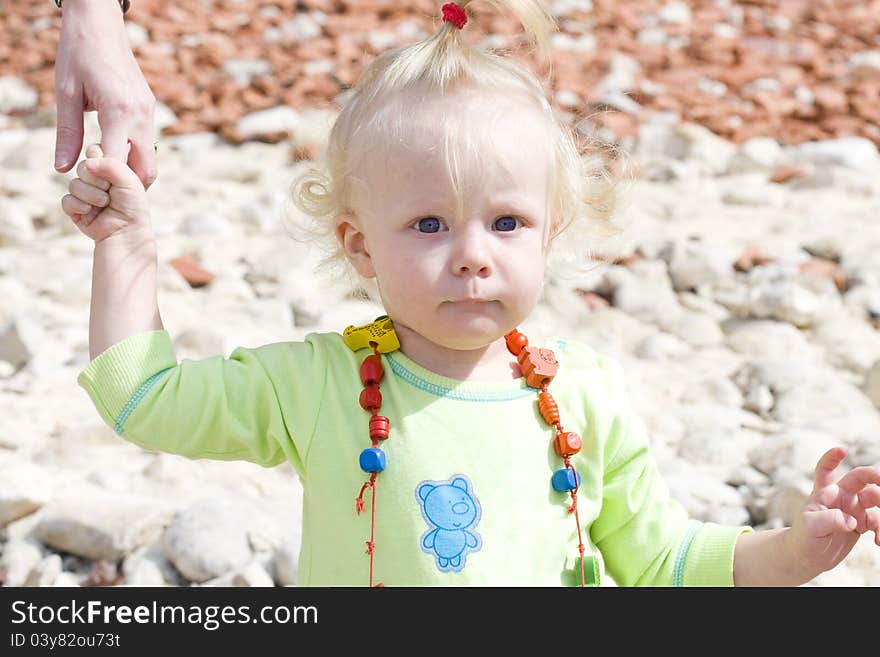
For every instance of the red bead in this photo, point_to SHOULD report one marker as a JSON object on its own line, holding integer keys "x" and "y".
{"x": 515, "y": 342}
{"x": 372, "y": 370}
{"x": 538, "y": 365}
{"x": 379, "y": 427}
{"x": 567, "y": 443}
{"x": 371, "y": 399}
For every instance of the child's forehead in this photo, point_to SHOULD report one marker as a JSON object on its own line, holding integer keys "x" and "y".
{"x": 474, "y": 133}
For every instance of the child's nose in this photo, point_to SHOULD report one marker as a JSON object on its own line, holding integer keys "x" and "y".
{"x": 471, "y": 255}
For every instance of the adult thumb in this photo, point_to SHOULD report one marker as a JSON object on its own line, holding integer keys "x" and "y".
{"x": 69, "y": 134}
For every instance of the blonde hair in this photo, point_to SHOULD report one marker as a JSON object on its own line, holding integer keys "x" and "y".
{"x": 582, "y": 195}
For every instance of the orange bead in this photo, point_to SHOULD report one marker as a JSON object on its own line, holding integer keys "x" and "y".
{"x": 379, "y": 427}
{"x": 538, "y": 365}
{"x": 547, "y": 406}
{"x": 370, "y": 399}
{"x": 567, "y": 443}
{"x": 515, "y": 342}
{"x": 372, "y": 370}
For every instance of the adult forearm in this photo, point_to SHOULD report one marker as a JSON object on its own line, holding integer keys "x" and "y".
{"x": 69, "y": 7}
{"x": 124, "y": 293}
{"x": 763, "y": 559}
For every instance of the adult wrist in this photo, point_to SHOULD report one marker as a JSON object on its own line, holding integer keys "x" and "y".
{"x": 123, "y": 4}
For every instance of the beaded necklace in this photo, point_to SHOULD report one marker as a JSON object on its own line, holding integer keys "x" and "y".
{"x": 538, "y": 366}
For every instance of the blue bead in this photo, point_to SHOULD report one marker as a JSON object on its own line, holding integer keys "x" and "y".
{"x": 372, "y": 460}
{"x": 565, "y": 480}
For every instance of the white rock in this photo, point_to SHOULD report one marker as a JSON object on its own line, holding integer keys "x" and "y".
{"x": 697, "y": 329}
{"x": 46, "y": 572}
{"x": 767, "y": 338}
{"x": 242, "y": 70}
{"x": 849, "y": 342}
{"x": 91, "y": 523}
{"x": 275, "y": 119}
{"x": 251, "y": 574}
{"x": 25, "y": 488}
{"x": 137, "y": 33}
{"x": 872, "y": 384}
{"x": 756, "y": 154}
{"x": 754, "y": 191}
{"x": 661, "y": 346}
{"x": 16, "y": 95}
{"x": 798, "y": 450}
{"x": 285, "y": 563}
{"x": 148, "y": 566}
{"x": 865, "y": 63}
{"x": 13, "y": 350}
{"x": 16, "y": 226}
{"x": 213, "y": 537}
{"x": 692, "y": 264}
{"x": 676, "y": 13}
{"x": 788, "y": 495}
{"x": 703, "y": 496}
{"x": 801, "y": 300}
{"x": 300, "y": 28}
{"x": 67, "y": 579}
{"x": 19, "y": 557}
{"x": 853, "y": 152}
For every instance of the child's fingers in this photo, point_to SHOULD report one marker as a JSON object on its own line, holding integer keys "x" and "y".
{"x": 94, "y": 150}
{"x": 88, "y": 177}
{"x": 828, "y": 521}
{"x": 115, "y": 171}
{"x": 73, "y": 206}
{"x": 872, "y": 523}
{"x": 826, "y": 466}
{"x": 89, "y": 194}
{"x": 857, "y": 478}
{"x": 870, "y": 496}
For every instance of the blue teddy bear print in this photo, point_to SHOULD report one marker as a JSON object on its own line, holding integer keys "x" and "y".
{"x": 451, "y": 511}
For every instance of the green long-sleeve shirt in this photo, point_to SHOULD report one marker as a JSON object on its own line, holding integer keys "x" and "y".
{"x": 466, "y": 496}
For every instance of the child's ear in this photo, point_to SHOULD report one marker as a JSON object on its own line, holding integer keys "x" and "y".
{"x": 354, "y": 244}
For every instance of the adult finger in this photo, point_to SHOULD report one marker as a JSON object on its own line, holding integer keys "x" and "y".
{"x": 824, "y": 475}
{"x": 114, "y": 134}
{"x": 69, "y": 132}
{"x": 142, "y": 157}
{"x": 857, "y": 478}
{"x": 828, "y": 521}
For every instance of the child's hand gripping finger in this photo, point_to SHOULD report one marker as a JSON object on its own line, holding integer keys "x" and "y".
{"x": 836, "y": 514}
{"x": 106, "y": 197}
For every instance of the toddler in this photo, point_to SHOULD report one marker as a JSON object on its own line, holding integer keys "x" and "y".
{"x": 437, "y": 445}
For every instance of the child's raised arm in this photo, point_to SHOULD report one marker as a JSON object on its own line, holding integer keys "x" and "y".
{"x": 108, "y": 203}
{"x": 825, "y": 531}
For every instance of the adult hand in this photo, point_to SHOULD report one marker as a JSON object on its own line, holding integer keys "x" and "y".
{"x": 96, "y": 70}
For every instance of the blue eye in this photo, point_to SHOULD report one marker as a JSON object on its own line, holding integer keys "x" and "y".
{"x": 429, "y": 224}
{"x": 506, "y": 223}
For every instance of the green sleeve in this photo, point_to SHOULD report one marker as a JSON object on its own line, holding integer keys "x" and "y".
{"x": 645, "y": 535}
{"x": 258, "y": 405}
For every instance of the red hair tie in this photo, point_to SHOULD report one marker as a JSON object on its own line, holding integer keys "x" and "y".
{"x": 454, "y": 14}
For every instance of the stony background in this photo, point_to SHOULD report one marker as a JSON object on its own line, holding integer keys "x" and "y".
{"x": 744, "y": 302}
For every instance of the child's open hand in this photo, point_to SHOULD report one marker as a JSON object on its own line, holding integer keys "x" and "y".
{"x": 836, "y": 514}
{"x": 106, "y": 197}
